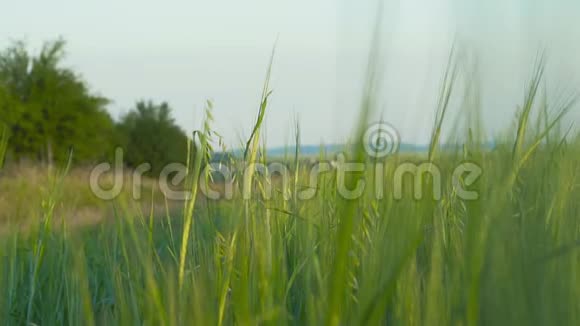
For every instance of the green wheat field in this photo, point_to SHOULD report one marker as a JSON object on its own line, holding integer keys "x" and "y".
{"x": 509, "y": 257}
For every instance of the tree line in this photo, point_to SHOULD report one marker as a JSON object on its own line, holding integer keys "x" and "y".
{"x": 52, "y": 115}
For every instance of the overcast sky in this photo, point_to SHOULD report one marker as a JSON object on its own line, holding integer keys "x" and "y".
{"x": 188, "y": 51}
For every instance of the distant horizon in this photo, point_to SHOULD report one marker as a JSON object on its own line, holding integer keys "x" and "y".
{"x": 311, "y": 149}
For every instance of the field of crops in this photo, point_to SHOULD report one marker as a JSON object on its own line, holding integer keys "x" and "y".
{"x": 509, "y": 256}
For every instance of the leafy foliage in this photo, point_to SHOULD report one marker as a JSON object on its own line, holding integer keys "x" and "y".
{"x": 49, "y": 109}
{"x": 150, "y": 135}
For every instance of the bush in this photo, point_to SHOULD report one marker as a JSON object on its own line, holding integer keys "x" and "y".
{"x": 150, "y": 135}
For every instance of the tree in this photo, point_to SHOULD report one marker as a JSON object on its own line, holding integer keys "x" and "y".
{"x": 151, "y": 135}
{"x": 49, "y": 109}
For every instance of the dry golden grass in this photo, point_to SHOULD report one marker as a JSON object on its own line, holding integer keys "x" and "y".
{"x": 23, "y": 189}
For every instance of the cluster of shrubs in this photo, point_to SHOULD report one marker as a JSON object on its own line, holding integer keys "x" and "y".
{"x": 50, "y": 112}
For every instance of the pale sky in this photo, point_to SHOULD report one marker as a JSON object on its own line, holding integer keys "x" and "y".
{"x": 185, "y": 52}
